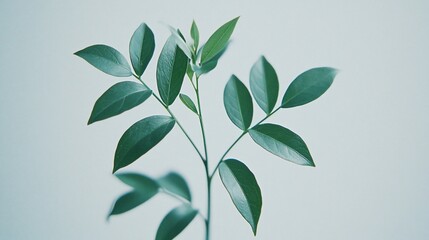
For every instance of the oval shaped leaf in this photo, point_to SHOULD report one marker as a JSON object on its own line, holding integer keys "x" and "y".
{"x": 175, "y": 222}
{"x": 176, "y": 184}
{"x": 144, "y": 189}
{"x": 140, "y": 138}
{"x": 245, "y": 193}
{"x": 170, "y": 71}
{"x": 195, "y": 34}
{"x": 218, "y": 40}
{"x": 142, "y": 46}
{"x": 119, "y": 98}
{"x": 188, "y": 102}
{"x": 308, "y": 86}
{"x": 238, "y": 103}
{"x": 264, "y": 84}
{"x": 106, "y": 59}
{"x": 282, "y": 142}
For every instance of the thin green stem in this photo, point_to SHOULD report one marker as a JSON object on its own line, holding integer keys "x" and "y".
{"x": 200, "y": 116}
{"x": 238, "y": 139}
{"x": 174, "y": 117}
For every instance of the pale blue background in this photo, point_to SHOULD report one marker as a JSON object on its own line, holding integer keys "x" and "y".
{"x": 368, "y": 133}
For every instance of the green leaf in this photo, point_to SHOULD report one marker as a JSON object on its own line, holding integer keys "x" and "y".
{"x": 180, "y": 41}
{"x": 106, "y": 59}
{"x": 188, "y": 103}
{"x": 142, "y": 46}
{"x": 189, "y": 71}
{"x": 243, "y": 190}
{"x": 282, "y": 142}
{"x": 176, "y": 184}
{"x": 210, "y": 65}
{"x": 140, "y": 138}
{"x": 218, "y": 40}
{"x": 264, "y": 84}
{"x": 238, "y": 103}
{"x": 195, "y": 34}
{"x": 144, "y": 189}
{"x": 119, "y": 98}
{"x": 171, "y": 69}
{"x": 308, "y": 86}
{"x": 175, "y": 222}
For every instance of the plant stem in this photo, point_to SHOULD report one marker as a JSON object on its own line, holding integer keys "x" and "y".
{"x": 173, "y": 116}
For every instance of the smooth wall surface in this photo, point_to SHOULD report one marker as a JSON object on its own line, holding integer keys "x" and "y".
{"x": 367, "y": 134}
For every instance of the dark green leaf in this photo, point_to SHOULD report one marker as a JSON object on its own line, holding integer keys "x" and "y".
{"x": 106, "y": 59}
{"x": 282, "y": 142}
{"x": 142, "y": 46}
{"x": 243, "y": 189}
{"x": 140, "y": 138}
{"x": 170, "y": 71}
{"x": 264, "y": 84}
{"x": 180, "y": 41}
{"x": 238, "y": 103}
{"x": 144, "y": 189}
{"x": 210, "y": 65}
{"x": 308, "y": 86}
{"x": 176, "y": 184}
{"x": 188, "y": 103}
{"x": 218, "y": 40}
{"x": 195, "y": 34}
{"x": 118, "y": 99}
{"x": 175, "y": 222}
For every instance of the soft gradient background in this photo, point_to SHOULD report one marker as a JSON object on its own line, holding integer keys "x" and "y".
{"x": 368, "y": 133}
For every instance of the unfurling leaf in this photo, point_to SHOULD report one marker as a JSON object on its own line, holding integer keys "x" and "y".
{"x": 282, "y": 142}
{"x": 188, "y": 103}
{"x": 119, "y": 98}
{"x": 264, "y": 84}
{"x": 171, "y": 69}
{"x": 218, "y": 40}
{"x": 106, "y": 59}
{"x": 209, "y": 65}
{"x": 238, "y": 103}
{"x": 180, "y": 41}
{"x": 308, "y": 86}
{"x": 140, "y": 138}
{"x": 142, "y": 46}
{"x": 243, "y": 190}
{"x": 195, "y": 35}
{"x": 175, "y": 222}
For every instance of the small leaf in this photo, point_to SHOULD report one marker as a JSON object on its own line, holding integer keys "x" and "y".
{"x": 264, "y": 84}
{"x": 176, "y": 184}
{"x": 195, "y": 35}
{"x": 140, "y": 138}
{"x": 119, "y": 98}
{"x": 243, "y": 190}
{"x": 142, "y": 46}
{"x": 308, "y": 86}
{"x": 106, "y": 59}
{"x": 171, "y": 69}
{"x": 144, "y": 189}
{"x": 210, "y": 65}
{"x": 175, "y": 222}
{"x": 218, "y": 40}
{"x": 238, "y": 103}
{"x": 189, "y": 71}
{"x": 180, "y": 41}
{"x": 282, "y": 142}
{"x": 188, "y": 103}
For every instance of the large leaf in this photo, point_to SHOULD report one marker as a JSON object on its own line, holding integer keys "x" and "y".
{"x": 308, "y": 86}
{"x": 264, "y": 84}
{"x": 142, "y": 46}
{"x": 195, "y": 34}
{"x": 175, "y": 222}
{"x": 188, "y": 102}
{"x": 282, "y": 142}
{"x": 106, "y": 59}
{"x": 118, "y": 99}
{"x": 140, "y": 138}
{"x": 176, "y": 184}
{"x": 243, "y": 189}
{"x": 170, "y": 71}
{"x": 218, "y": 40}
{"x": 144, "y": 189}
{"x": 238, "y": 103}
{"x": 210, "y": 65}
